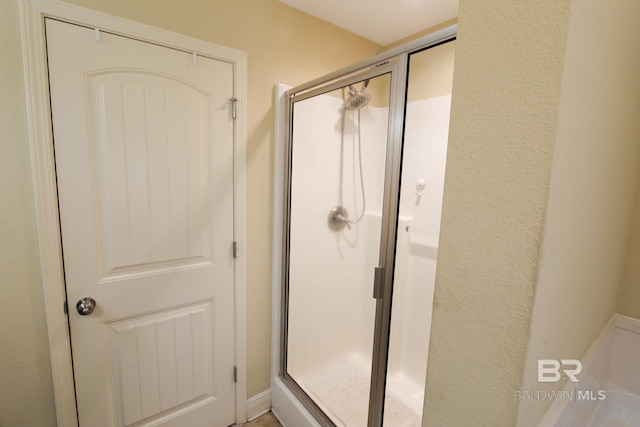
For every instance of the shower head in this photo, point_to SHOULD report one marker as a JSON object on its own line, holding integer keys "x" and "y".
{"x": 357, "y": 100}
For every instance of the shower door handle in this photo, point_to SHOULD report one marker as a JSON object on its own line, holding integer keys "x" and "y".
{"x": 377, "y": 282}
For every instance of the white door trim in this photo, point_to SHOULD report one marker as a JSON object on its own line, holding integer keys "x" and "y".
{"x": 32, "y": 14}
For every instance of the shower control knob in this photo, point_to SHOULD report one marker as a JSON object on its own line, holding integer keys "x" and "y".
{"x": 85, "y": 306}
{"x": 338, "y": 219}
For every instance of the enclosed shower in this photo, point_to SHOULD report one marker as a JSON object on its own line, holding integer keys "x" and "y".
{"x": 361, "y": 200}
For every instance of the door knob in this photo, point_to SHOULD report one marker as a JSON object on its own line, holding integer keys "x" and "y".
{"x": 85, "y": 306}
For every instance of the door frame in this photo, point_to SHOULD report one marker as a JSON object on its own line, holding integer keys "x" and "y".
{"x": 32, "y": 15}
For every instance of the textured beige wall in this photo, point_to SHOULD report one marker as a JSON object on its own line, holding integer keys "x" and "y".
{"x": 506, "y": 97}
{"x": 629, "y": 295}
{"x": 596, "y": 168}
{"x": 26, "y": 394}
{"x": 283, "y": 46}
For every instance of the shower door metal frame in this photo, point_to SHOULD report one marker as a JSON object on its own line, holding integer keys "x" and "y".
{"x": 393, "y": 68}
{"x": 394, "y": 62}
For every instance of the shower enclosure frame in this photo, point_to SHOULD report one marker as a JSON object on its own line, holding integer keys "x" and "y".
{"x": 396, "y": 63}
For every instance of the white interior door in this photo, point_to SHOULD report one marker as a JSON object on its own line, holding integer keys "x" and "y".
{"x": 143, "y": 139}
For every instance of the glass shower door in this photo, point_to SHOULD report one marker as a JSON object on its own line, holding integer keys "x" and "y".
{"x": 424, "y": 152}
{"x": 338, "y": 153}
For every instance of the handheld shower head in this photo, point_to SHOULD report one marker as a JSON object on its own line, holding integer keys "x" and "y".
{"x": 357, "y": 100}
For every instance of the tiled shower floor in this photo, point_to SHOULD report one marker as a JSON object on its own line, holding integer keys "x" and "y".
{"x": 342, "y": 390}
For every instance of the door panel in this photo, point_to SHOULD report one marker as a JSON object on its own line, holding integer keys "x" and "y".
{"x": 335, "y": 224}
{"x": 161, "y": 360}
{"x": 165, "y": 168}
{"x": 143, "y": 140}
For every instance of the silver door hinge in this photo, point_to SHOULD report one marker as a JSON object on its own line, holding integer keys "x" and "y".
{"x": 234, "y": 102}
{"x": 234, "y": 249}
{"x": 235, "y": 374}
{"x": 377, "y": 282}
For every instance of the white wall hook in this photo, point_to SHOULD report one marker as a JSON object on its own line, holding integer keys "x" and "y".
{"x": 420, "y": 185}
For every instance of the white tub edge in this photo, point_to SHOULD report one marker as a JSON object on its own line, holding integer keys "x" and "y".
{"x": 617, "y": 320}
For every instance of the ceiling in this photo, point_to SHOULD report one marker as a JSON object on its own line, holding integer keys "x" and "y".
{"x": 381, "y": 21}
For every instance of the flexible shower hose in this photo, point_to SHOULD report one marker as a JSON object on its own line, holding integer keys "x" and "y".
{"x": 364, "y": 203}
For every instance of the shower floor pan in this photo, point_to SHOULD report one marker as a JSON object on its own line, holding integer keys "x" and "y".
{"x": 341, "y": 389}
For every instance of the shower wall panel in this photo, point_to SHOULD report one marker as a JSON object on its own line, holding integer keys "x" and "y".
{"x": 424, "y": 158}
{"x": 344, "y": 287}
{"x": 331, "y": 314}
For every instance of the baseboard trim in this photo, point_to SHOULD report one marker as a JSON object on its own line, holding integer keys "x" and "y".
{"x": 258, "y": 405}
